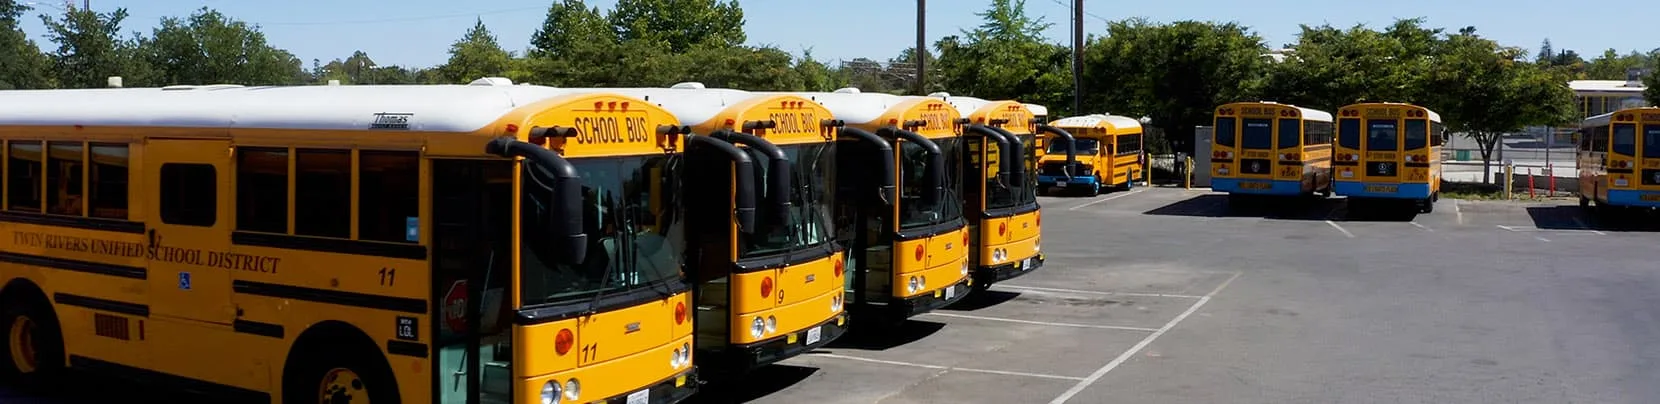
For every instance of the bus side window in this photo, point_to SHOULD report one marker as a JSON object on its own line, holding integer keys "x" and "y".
{"x": 23, "y": 176}
{"x": 189, "y": 194}
{"x": 63, "y": 178}
{"x": 388, "y": 196}
{"x": 323, "y": 193}
{"x": 262, "y": 189}
{"x": 107, "y": 187}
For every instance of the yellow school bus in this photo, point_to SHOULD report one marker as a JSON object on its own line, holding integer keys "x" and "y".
{"x": 1040, "y": 114}
{"x": 1107, "y": 150}
{"x": 1000, "y": 193}
{"x": 909, "y": 251}
{"x": 433, "y": 244}
{"x": 775, "y": 291}
{"x": 1268, "y": 148}
{"x": 1388, "y": 152}
{"x": 1619, "y": 159}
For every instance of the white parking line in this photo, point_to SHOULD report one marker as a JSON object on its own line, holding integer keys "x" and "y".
{"x": 1092, "y": 292}
{"x": 1340, "y": 228}
{"x": 953, "y": 368}
{"x": 1415, "y": 224}
{"x": 1523, "y": 229}
{"x": 1048, "y": 323}
{"x": 1582, "y": 225}
{"x": 1542, "y": 239}
{"x": 1131, "y": 192}
{"x": 1099, "y": 373}
{"x": 1457, "y": 211}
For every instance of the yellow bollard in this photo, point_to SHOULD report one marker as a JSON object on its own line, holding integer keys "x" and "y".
{"x": 1188, "y": 182}
{"x": 1509, "y": 181}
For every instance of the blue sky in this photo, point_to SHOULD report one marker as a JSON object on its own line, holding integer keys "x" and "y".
{"x": 419, "y": 32}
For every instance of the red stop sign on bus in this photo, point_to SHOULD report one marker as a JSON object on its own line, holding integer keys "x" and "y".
{"x": 455, "y": 307}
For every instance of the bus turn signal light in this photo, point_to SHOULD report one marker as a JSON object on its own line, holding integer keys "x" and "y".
{"x": 918, "y": 252}
{"x": 766, "y": 287}
{"x": 840, "y": 266}
{"x": 679, "y": 313}
{"x": 562, "y": 343}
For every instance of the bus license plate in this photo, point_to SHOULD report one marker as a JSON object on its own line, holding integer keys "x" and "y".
{"x": 1026, "y": 263}
{"x": 950, "y": 292}
{"x": 1381, "y": 188}
{"x": 813, "y": 335}
{"x": 1649, "y": 197}
{"x": 1060, "y": 183}
{"x": 640, "y": 397}
{"x": 1256, "y": 185}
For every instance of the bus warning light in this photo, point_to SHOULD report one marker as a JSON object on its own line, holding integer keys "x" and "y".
{"x": 918, "y": 253}
{"x": 766, "y": 287}
{"x": 563, "y": 341}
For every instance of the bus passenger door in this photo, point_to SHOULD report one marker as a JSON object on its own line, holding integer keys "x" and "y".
{"x": 189, "y": 229}
{"x": 472, "y": 212}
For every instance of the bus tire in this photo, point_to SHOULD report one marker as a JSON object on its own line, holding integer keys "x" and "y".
{"x": 333, "y": 366}
{"x": 33, "y": 353}
{"x": 1584, "y": 202}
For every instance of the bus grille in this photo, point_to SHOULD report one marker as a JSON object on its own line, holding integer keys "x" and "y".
{"x": 1054, "y": 168}
{"x": 1255, "y": 166}
{"x": 1381, "y": 169}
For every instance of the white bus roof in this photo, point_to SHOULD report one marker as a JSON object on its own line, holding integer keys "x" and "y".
{"x": 850, "y": 105}
{"x": 433, "y": 108}
{"x": 1093, "y": 120}
{"x": 1038, "y": 110}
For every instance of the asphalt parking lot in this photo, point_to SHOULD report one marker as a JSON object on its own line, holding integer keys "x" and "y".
{"x": 1161, "y": 295}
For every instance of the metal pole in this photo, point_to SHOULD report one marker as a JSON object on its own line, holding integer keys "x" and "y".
{"x": 921, "y": 47}
{"x": 1077, "y": 57}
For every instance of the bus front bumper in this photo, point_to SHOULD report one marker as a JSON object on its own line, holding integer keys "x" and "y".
{"x": 1618, "y": 197}
{"x": 913, "y": 306}
{"x": 1077, "y": 181}
{"x": 1256, "y": 186}
{"x": 1356, "y": 189}
{"x": 670, "y": 391}
{"x": 998, "y": 273}
{"x": 751, "y": 356}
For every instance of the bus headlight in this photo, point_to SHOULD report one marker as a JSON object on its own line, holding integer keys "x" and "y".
{"x": 835, "y": 304}
{"x": 912, "y": 285}
{"x": 674, "y": 359}
{"x": 757, "y": 328}
{"x": 772, "y": 324}
{"x": 573, "y": 389}
{"x": 685, "y": 354}
{"x": 550, "y": 392}
{"x": 922, "y": 283}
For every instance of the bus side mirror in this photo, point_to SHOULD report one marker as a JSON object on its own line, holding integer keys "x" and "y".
{"x": 550, "y": 180}
{"x": 563, "y": 220}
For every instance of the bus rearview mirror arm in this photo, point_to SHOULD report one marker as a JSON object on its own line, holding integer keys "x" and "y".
{"x": 743, "y": 171}
{"x": 933, "y": 176}
{"x": 779, "y": 172}
{"x": 1071, "y": 147}
{"x": 885, "y": 188}
{"x": 563, "y": 218}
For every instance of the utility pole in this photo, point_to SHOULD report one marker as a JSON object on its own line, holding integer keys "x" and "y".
{"x": 921, "y": 47}
{"x": 1077, "y": 57}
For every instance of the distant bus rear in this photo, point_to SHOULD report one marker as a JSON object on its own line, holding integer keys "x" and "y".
{"x": 1266, "y": 148}
{"x": 1619, "y": 159}
{"x": 1389, "y": 151}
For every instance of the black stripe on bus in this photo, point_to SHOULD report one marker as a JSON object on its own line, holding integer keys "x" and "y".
{"x": 354, "y": 299}
{"x": 928, "y": 231}
{"x": 1346, "y": 163}
{"x": 1221, "y": 160}
{"x": 406, "y": 348}
{"x": 76, "y": 265}
{"x": 132, "y": 309}
{"x": 1010, "y": 211}
{"x": 1620, "y": 171}
{"x": 1291, "y": 163}
{"x": 330, "y": 245}
{"x": 227, "y": 393}
{"x": 613, "y": 301}
{"x": 258, "y": 328}
{"x": 784, "y": 259}
{"x": 1418, "y": 165}
{"x": 85, "y": 223}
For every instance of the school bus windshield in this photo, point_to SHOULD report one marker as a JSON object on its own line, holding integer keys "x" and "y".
{"x": 913, "y": 163}
{"x": 1086, "y": 146}
{"x": 809, "y": 217}
{"x": 630, "y": 244}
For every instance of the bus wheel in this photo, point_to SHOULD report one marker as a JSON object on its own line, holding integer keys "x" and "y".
{"x": 34, "y": 344}
{"x": 343, "y": 377}
{"x": 1429, "y": 205}
{"x": 1584, "y": 202}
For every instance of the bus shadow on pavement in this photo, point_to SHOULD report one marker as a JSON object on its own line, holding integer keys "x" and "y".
{"x": 878, "y": 338}
{"x": 981, "y": 299}
{"x": 1279, "y": 208}
{"x": 1574, "y": 217}
{"x": 758, "y": 383}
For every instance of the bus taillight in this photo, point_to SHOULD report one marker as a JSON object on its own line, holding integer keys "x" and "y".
{"x": 766, "y": 286}
{"x": 679, "y": 313}
{"x": 562, "y": 343}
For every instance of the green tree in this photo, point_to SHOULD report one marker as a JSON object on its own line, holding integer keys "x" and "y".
{"x": 755, "y": 69}
{"x": 25, "y": 67}
{"x": 1489, "y": 91}
{"x": 1329, "y": 68}
{"x": 570, "y": 24}
{"x": 1651, "y": 84}
{"x": 681, "y": 24}
{"x": 1006, "y": 57}
{"x": 815, "y": 76}
{"x": 1175, "y": 74}
{"x": 1613, "y": 66}
{"x": 89, "y": 52}
{"x": 477, "y": 54}
{"x": 209, "y": 47}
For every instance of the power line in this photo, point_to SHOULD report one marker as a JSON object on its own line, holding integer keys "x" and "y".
{"x": 406, "y": 19}
{"x": 1069, "y": 7}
